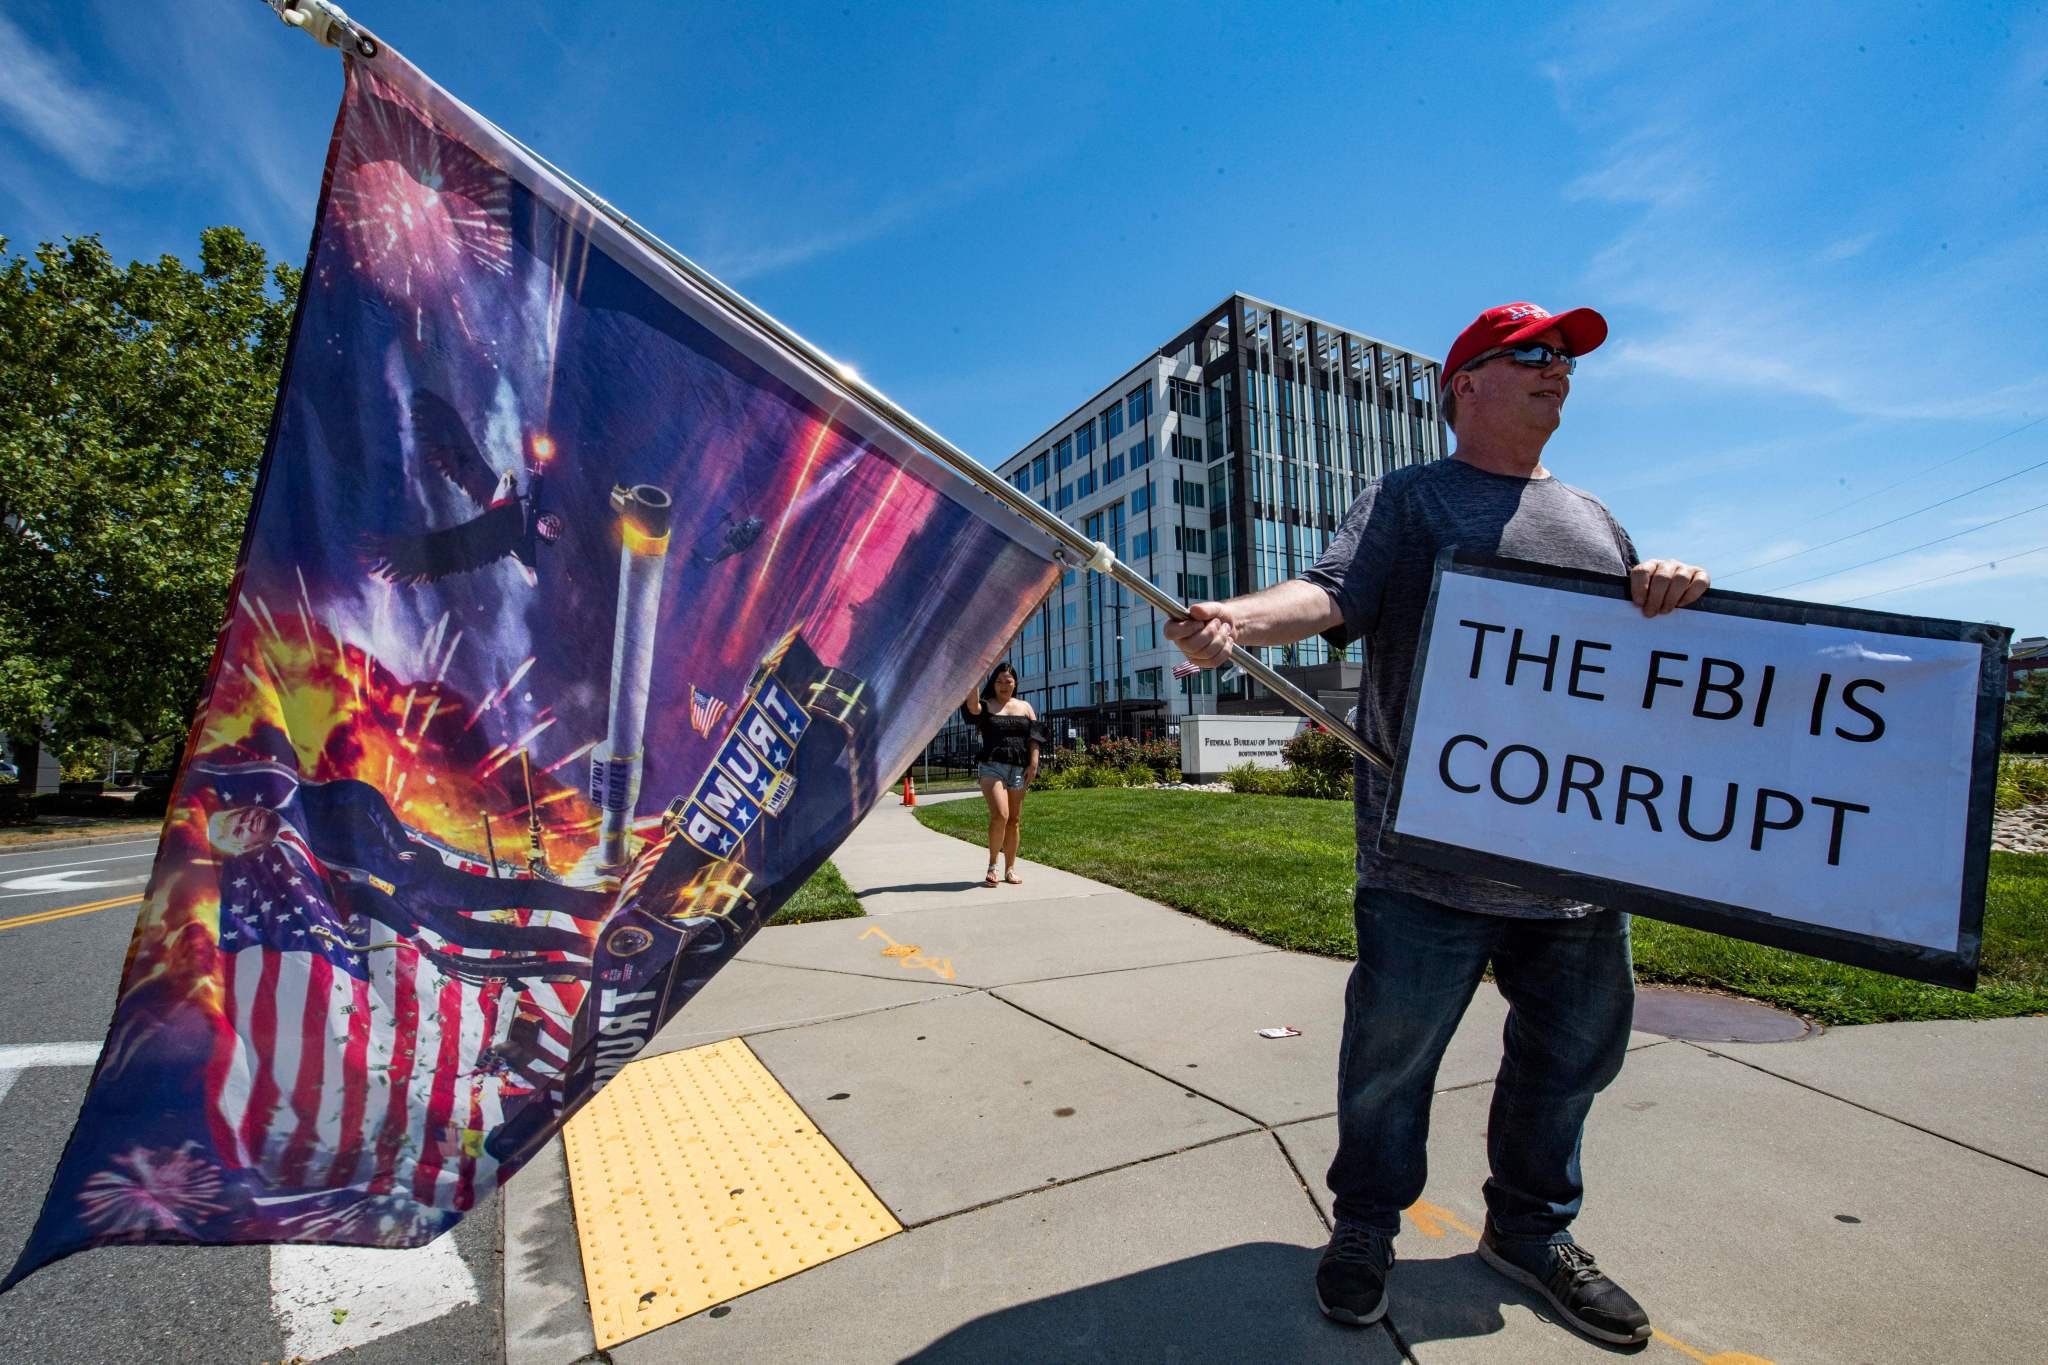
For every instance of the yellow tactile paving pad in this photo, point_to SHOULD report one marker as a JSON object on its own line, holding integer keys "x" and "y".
{"x": 697, "y": 1178}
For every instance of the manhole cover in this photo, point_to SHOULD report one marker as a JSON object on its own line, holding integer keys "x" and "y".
{"x": 1701, "y": 1017}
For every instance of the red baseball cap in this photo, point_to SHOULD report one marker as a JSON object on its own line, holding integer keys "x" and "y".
{"x": 1513, "y": 323}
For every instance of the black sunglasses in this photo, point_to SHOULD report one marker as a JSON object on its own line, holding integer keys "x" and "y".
{"x": 1536, "y": 356}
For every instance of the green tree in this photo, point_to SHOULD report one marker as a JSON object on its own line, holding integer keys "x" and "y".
{"x": 134, "y": 403}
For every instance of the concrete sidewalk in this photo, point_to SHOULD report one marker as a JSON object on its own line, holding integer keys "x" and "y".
{"x": 1096, "y": 1157}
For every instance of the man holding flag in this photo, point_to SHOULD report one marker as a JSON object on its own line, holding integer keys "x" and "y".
{"x": 1426, "y": 937}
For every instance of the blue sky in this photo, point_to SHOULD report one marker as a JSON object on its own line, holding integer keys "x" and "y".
{"x": 1821, "y": 236}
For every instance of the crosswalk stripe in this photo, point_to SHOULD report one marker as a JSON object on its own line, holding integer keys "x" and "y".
{"x": 332, "y": 1299}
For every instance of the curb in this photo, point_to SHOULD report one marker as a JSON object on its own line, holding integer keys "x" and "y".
{"x": 84, "y": 841}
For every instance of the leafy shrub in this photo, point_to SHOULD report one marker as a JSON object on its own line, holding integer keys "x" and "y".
{"x": 1159, "y": 758}
{"x": 2021, "y": 782}
{"x": 1316, "y": 750}
{"x": 1057, "y": 760}
{"x": 1288, "y": 782}
{"x": 2025, "y": 738}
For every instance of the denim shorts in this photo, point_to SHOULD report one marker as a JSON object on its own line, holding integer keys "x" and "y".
{"x": 1011, "y": 775}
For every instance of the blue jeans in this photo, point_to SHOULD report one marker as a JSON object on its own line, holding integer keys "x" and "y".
{"x": 1570, "y": 988}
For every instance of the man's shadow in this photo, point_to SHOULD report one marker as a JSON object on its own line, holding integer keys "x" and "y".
{"x": 971, "y": 884}
{"x": 1451, "y": 1297}
{"x": 1255, "y": 1301}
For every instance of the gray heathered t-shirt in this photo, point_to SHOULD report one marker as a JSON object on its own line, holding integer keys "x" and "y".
{"x": 1378, "y": 570}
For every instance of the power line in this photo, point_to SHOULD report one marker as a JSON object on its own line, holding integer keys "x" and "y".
{"x": 1916, "y": 474}
{"x": 1969, "y": 530}
{"x": 1987, "y": 564}
{"x": 1766, "y": 563}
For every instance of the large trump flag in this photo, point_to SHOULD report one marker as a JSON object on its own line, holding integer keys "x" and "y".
{"x": 577, "y": 622}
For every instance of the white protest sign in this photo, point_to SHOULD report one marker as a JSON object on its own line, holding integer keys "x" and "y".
{"x": 1816, "y": 782}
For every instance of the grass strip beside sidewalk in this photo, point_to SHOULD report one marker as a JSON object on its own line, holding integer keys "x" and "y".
{"x": 1279, "y": 869}
{"x": 825, "y": 896}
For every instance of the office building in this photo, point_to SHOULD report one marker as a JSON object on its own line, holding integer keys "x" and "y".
{"x": 1219, "y": 464}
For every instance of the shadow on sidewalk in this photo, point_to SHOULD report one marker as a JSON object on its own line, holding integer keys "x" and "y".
{"x": 1245, "y": 1303}
{"x": 1452, "y": 1297}
{"x": 1249, "y": 1302}
{"x": 975, "y": 884}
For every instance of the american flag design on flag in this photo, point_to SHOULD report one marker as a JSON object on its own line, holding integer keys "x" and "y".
{"x": 704, "y": 711}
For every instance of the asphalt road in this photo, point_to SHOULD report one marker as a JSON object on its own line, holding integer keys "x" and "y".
{"x": 217, "y": 1305}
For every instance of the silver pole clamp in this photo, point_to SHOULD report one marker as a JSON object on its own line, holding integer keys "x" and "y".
{"x": 327, "y": 22}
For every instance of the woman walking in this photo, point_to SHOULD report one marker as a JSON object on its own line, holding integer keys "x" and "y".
{"x": 1005, "y": 764}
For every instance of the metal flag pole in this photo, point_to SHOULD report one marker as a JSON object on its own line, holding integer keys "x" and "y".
{"x": 327, "y": 22}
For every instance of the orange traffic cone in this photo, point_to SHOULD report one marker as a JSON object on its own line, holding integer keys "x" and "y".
{"x": 909, "y": 791}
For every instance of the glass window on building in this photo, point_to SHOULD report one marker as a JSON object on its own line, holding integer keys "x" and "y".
{"x": 1190, "y": 540}
{"x": 1065, "y": 499}
{"x": 1141, "y": 544}
{"x": 1113, "y": 469}
{"x": 1141, "y": 496}
{"x": 1219, "y": 540}
{"x": 1039, "y": 470}
{"x": 1084, "y": 485}
{"x": 1141, "y": 453}
{"x": 1193, "y": 587}
{"x": 1189, "y": 493}
{"x": 1187, "y": 397}
{"x": 1219, "y": 487}
{"x": 1062, "y": 453}
{"x": 1187, "y": 448}
{"x": 1138, "y": 404}
{"x": 1084, "y": 440}
{"x": 1149, "y": 680}
{"x": 1201, "y": 684}
{"x": 1112, "y": 421}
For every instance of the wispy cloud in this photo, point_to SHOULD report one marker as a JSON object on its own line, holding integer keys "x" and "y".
{"x": 1731, "y": 289}
{"x": 90, "y": 129}
{"x": 739, "y": 262}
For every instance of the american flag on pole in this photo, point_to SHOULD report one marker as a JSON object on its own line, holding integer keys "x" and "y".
{"x": 704, "y": 712}
{"x": 482, "y": 556}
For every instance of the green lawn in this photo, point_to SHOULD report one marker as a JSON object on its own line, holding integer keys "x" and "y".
{"x": 825, "y": 896}
{"x": 1279, "y": 869}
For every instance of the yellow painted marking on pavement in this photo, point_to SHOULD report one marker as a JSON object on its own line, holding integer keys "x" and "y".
{"x": 1431, "y": 1220}
{"x": 45, "y": 916}
{"x": 909, "y": 956}
{"x": 696, "y": 1179}
{"x": 1722, "y": 1358}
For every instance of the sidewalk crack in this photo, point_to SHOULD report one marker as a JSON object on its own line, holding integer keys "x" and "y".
{"x": 1893, "y": 1118}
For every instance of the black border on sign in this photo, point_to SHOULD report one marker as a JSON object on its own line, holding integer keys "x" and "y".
{"x": 1957, "y": 969}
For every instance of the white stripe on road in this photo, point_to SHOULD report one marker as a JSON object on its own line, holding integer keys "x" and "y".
{"x": 69, "y": 883}
{"x": 81, "y": 862}
{"x": 16, "y": 1058}
{"x": 373, "y": 1293}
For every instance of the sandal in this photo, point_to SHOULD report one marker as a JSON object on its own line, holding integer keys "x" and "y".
{"x": 1012, "y": 878}
{"x": 989, "y": 878}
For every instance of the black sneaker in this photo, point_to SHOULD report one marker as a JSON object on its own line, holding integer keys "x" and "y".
{"x": 1351, "y": 1279}
{"x": 1564, "y": 1273}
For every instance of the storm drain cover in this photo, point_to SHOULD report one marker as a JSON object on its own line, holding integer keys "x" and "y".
{"x": 1703, "y": 1017}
